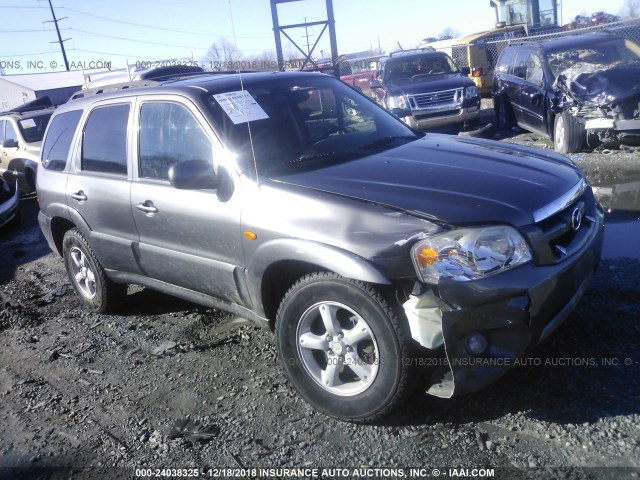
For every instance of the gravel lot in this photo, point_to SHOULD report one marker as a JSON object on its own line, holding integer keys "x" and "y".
{"x": 167, "y": 384}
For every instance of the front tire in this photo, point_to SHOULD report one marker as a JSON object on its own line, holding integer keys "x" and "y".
{"x": 95, "y": 290}
{"x": 569, "y": 135}
{"x": 342, "y": 347}
{"x": 504, "y": 114}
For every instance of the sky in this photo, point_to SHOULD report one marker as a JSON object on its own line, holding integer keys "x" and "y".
{"x": 102, "y": 32}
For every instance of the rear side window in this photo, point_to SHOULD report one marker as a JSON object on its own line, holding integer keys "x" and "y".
{"x": 58, "y": 140}
{"x": 104, "y": 145}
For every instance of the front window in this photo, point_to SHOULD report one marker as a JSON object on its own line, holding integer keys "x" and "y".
{"x": 416, "y": 67}
{"x": 169, "y": 134}
{"x": 605, "y": 53}
{"x": 33, "y": 128}
{"x": 301, "y": 122}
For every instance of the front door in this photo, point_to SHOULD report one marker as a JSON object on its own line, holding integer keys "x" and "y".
{"x": 188, "y": 238}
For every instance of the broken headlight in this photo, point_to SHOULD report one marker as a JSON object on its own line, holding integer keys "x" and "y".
{"x": 469, "y": 253}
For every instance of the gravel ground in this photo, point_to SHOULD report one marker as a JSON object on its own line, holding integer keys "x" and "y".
{"x": 167, "y": 384}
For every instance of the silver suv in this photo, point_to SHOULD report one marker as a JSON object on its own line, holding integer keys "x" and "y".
{"x": 297, "y": 202}
{"x": 21, "y": 132}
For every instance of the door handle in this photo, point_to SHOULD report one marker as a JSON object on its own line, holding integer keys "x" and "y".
{"x": 147, "y": 207}
{"x": 79, "y": 196}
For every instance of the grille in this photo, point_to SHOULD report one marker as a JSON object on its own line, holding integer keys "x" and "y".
{"x": 569, "y": 230}
{"x": 436, "y": 99}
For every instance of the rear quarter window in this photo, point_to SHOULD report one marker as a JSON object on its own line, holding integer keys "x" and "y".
{"x": 58, "y": 140}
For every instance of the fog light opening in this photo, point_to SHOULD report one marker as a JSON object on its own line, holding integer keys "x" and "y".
{"x": 476, "y": 344}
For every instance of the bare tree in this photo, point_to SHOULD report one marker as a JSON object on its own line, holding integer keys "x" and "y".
{"x": 448, "y": 33}
{"x": 630, "y": 9}
{"x": 222, "y": 55}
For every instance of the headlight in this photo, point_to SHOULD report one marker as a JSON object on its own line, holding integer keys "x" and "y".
{"x": 470, "y": 92}
{"x": 396, "y": 102}
{"x": 469, "y": 253}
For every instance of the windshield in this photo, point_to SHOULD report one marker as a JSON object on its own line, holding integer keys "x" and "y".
{"x": 416, "y": 67}
{"x": 32, "y": 129}
{"x": 607, "y": 53}
{"x": 302, "y": 122}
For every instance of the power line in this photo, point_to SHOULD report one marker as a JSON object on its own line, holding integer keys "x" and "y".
{"x": 136, "y": 41}
{"x": 163, "y": 29}
{"x": 18, "y": 6}
{"x": 114, "y": 54}
{"x": 26, "y": 54}
{"x": 31, "y": 31}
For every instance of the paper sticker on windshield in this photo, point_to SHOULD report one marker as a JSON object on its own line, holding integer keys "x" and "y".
{"x": 240, "y": 106}
{"x": 28, "y": 123}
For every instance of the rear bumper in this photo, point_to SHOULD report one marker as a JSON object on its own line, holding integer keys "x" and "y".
{"x": 514, "y": 311}
{"x": 45, "y": 226}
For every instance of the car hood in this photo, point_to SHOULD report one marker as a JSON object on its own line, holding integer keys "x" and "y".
{"x": 602, "y": 85}
{"x": 451, "y": 180}
{"x": 435, "y": 83}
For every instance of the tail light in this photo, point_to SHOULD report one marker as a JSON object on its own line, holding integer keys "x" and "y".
{"x": 476, "y": 72}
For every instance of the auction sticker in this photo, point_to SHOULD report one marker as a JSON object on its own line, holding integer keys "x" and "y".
{"x": 240, "y": 106}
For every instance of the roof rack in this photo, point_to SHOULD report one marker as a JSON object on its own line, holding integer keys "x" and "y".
{"x": 112, "y": 88}
{"x": 413, "y": 50}
{"x": 32, "y": 106}
{"x": 148, "y": 83}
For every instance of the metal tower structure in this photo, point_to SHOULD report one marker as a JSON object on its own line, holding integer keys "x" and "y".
{"x": 328, "y": 24}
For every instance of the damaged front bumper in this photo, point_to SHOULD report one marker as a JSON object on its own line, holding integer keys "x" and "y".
{"x": 511, "y": 313}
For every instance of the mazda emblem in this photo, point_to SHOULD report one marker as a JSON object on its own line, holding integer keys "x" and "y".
{"x": 576, "y": 219}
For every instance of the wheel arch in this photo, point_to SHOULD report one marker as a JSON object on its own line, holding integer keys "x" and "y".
{"x": 64, "y": 219}
{"x": 280, "y": 263}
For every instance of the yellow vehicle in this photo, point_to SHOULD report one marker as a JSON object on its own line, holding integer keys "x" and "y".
{"x": 477, "y": 52}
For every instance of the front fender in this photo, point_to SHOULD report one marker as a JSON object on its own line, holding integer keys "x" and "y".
{"x": 325, "y": 256}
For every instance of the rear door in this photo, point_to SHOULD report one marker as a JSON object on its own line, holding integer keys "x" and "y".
{"x": 532, "y": 95}
{"x": 188, "y": 238}
{"x": 99, "y": 184}
{"x": 518, "y": 75}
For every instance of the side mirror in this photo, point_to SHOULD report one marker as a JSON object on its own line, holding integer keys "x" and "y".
{"x": 9, "y": 143}
{"x": 193, "y": 175}
{"x": 375, "y": 83}
{"x": 465, "y": 71}
{"x": 401, "y": 112}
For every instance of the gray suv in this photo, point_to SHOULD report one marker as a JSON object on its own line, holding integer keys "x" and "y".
{"x": 297, "y": 202}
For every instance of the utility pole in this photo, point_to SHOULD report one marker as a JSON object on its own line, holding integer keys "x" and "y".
{"x": 60, "y": 41}
{"x": 306, "y": 34}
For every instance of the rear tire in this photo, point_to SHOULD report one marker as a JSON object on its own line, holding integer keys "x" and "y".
{"x": 95, "y": 290}
{"x": 569, "y": 136}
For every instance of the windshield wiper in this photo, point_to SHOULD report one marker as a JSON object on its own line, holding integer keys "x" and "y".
{"x": 317, "y": 156}
{"x": 384, "y": 141}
